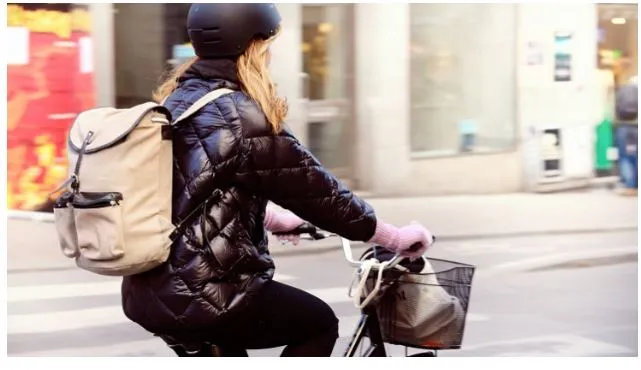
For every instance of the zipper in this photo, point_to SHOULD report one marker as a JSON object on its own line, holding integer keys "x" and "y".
{"x": 96, "y": 200}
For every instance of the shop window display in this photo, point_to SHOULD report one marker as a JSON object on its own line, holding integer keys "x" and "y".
{"x": 617, "y": 43}
{"x": 463, "y": 68}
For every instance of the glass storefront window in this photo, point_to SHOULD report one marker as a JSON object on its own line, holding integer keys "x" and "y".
{"x": 463, "y": 77}
{"x": 618, "y": 41}
{"x": 327, "y": 54}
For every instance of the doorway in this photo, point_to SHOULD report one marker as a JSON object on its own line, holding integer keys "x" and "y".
{"x": 328, "y": 84}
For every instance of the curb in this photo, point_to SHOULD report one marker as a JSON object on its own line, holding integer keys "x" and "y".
{"x": 30, "y": 216}
{"x": 307, "y": 249}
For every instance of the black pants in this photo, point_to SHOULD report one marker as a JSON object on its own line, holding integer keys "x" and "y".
{"x": 281, "y": 315}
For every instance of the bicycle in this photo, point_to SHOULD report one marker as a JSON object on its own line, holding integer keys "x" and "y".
{"x": 380, "y": 282}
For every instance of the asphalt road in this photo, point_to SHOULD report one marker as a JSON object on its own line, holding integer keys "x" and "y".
{"x": 562, "y": 295}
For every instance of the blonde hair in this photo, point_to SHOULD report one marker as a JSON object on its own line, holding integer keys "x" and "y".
{"x": 254, "y": 77}
{"x": 171, "y": 81}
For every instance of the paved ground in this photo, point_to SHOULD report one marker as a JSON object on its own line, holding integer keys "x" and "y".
{"x": 555, "y": 295}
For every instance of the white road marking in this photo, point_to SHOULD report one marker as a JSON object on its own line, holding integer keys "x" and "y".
{"x": 551, "y": 259}
{"x": 154, "y": 346}
{"x": 45, "y": 322}
{"x": 148, "y": 347}
{"x": 38, "y": 292}
{"x": 560, "y": 345}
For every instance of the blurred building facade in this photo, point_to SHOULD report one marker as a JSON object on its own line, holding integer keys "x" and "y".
{"x": 415, "y": 99}
{"x": 49, "y": 80}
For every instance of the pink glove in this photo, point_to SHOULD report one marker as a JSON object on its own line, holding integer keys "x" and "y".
{"x": 276, "y": 222}
{"x": 400, "y": 239}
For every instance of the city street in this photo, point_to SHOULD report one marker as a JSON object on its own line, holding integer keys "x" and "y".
{"x": 509, "y": 131}
{"x": 547, "y": 295}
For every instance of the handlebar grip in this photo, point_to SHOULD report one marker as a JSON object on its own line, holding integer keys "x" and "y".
{"x": 305, "y": 228}
{"x": 416, "y": 246}
{"x": 302, "y": 229}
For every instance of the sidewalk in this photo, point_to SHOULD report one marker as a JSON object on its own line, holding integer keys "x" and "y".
{"x": 33, "y": 245}
{"x": 466, "y": 217}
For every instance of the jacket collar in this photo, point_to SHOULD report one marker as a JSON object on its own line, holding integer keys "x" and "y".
{"x": 211, "y": 70}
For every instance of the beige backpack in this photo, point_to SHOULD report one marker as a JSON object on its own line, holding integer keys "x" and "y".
{"x": 115, "y": 217}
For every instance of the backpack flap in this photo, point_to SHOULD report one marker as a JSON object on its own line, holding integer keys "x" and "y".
{"x": 110, "y": 125}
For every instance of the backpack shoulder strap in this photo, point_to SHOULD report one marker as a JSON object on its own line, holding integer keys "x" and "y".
{"x": 202, "y": 102}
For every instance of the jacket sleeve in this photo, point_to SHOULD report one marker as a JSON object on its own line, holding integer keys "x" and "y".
{"x": 280, "y": 169}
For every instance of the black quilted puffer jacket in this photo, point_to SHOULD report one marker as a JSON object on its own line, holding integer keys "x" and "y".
{"x": 229, "y": 145}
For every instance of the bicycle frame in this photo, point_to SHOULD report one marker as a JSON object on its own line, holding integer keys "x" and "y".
{"x": 369, "y": 326}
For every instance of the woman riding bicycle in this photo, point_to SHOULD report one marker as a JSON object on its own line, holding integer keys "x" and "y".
{"x": 217, "y": 285}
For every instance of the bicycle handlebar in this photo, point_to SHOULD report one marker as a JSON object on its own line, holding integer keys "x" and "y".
{"x": 364, "y": 267}
{"x": 315, "y": 234}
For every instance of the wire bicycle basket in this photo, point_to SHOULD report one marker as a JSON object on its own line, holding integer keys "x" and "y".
{"x": 426, "y": 307}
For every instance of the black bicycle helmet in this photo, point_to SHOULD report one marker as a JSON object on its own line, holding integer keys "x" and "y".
{"x": 225, "y": 30}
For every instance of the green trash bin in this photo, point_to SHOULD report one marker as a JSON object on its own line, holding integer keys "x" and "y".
{"x": 604, "y": 144}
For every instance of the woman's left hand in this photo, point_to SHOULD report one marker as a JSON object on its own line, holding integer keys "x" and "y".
{"x": 277, "y": 222}
{"x": 284, "y": 239}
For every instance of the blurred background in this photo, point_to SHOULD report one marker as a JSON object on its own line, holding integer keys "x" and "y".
{"x": 397, "y": 99}
{"x": 497, "y": 125}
